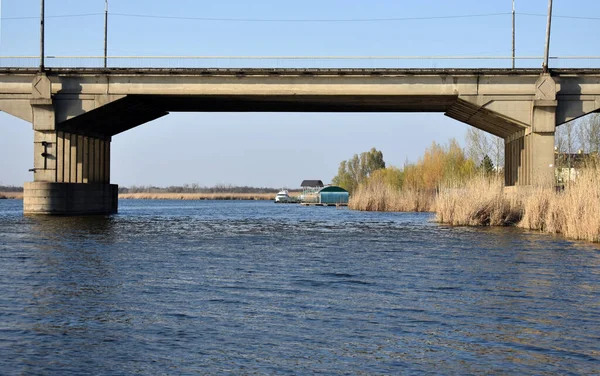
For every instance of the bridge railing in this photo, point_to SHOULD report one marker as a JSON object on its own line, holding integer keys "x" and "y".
{"x": 275, "y": 62}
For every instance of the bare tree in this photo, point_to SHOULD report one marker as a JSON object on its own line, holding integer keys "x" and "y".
{"x": 589, "y": 133}
{"x": 565, "y": 138}
{"x": 480, "y": 144}
{"x": 498, "y": 152}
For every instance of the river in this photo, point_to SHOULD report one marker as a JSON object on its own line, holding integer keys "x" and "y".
{"x": 245, "y": 287}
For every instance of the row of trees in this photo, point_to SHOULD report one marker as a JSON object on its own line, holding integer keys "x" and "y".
{"x": 439, "y": 164}
{"x": 195, "y": 188}
{"x": 10, "y": 188}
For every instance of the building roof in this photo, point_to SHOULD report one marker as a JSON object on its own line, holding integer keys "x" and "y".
{"x": 311, "y": 183}
{"x": 333, "y": 188}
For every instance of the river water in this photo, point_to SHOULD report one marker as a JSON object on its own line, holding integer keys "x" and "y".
{"x": 243, "y": 287}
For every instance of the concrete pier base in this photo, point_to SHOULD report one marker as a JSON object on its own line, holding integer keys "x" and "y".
{"x": 69, "y": 198}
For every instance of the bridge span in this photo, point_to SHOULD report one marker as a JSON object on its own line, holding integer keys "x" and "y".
{"x": 76, "y": 112}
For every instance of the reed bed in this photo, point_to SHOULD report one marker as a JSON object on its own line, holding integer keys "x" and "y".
{"x": 379, "y": 196}
{"x": 199, "y": 196}
{"x": 11, "y": 195}
{"x": 572, "y": 212}
{"x": 481, "y": 201}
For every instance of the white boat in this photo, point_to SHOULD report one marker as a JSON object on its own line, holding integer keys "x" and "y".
{"x": 283, "y": 197}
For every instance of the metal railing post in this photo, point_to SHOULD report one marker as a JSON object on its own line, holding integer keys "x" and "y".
{"x": 105, "y": 33}
{"x": 42, "y": 37}
{"x": 513, "y": 34}
{"x": 547, "y": 49}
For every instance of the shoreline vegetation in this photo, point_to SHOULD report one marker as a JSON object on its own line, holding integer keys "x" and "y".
{"x": 479, "y": 201}
{"x": 571, "y": 211}
{"x": 377, "y": 195}
{"x": 201, "y": 196}
{"x": 184, "y": 192}
{"x": 177, "y": 196}
{"x": 11, "y": 195}
{"x": 464, "y": 189}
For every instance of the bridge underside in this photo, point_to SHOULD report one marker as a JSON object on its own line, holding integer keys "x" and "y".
{"x": 133, "y": 110}
{"x": 75, "y": 114}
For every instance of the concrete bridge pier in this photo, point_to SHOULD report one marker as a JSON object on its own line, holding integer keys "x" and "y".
{"x": 521, "y": 167}
{"x": 71, "y": 169}
{"x": 529, "y": 153}
{"x": 71, "y": 175}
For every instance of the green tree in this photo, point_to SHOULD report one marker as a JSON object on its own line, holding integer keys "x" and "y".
{"x": 358, "y": 168}
{"x": 487, "y": 166}
{"x": 391, "y": 176}
{"x": 343, "y": 178}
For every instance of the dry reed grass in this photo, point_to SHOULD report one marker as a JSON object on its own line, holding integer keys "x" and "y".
{"x": 11, "y": 195}
{"x": 379, "y": 196}
{"x": 572, "y": 212}
{"x": 200, "y": 196}
{"x": 479, "y": 202}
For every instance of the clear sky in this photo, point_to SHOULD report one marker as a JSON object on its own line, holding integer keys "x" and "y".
{"x": 268, "y": 149}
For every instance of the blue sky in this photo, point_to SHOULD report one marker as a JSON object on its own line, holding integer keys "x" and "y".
{"x": 276, "y": 150}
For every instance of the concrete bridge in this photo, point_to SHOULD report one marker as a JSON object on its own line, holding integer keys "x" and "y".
{"x": 76, "y": 112}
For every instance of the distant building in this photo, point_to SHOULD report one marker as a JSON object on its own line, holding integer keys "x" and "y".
{"x": 312, "y": 184}
{"x": 568, "y": 165}
{"x": 314, "y": 192}
{"x": 333, "y": 195}
{"x": 310, "y": 191}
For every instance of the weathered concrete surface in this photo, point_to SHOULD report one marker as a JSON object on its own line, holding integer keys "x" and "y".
{"x": 75, "y": 112}
{"x": 112, "y": 101}
{"x": 69, "y": 198}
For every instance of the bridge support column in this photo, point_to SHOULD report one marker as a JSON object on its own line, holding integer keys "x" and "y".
{"x": 529, "y": 153}
{"x": 71, "y": 175}
{"x": 529, "y": 159}
{"x": 71, "y": 169}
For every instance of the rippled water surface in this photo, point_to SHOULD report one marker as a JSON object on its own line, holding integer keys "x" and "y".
{"x": 201, "y": 287}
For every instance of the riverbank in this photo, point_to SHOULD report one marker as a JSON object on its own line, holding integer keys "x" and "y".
{"x": 200, "y": 196}
{"x": 571, "y": 212}
{"x": 11, "y": 195}
{"x": 481, "y": 201}
{"x": 176, "y": 196}
{"x": 379, "y": 196}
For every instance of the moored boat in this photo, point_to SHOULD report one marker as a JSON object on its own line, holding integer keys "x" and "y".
{"x": 283, "y": 196}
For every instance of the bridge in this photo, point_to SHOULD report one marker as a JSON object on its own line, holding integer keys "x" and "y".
{"x": 75, "y": 112}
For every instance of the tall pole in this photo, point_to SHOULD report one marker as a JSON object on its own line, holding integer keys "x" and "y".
{"x": 513, "y": 35}
{"x": 0, "y": 25}
{"x": 42, "y": 37}
{"x": 105, "y": 32}
{"x": 547, "y": 50}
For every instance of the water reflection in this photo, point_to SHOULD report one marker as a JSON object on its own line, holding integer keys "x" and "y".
{"x": 77, "y": 228}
